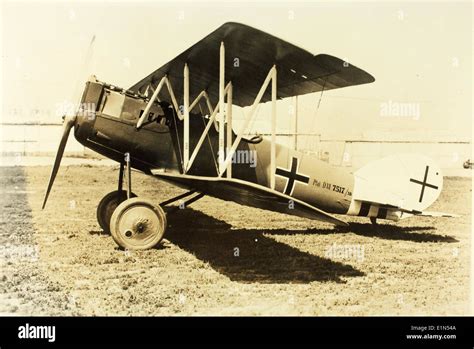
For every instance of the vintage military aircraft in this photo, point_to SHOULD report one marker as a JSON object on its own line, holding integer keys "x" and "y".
{"x": 154, "y": 128}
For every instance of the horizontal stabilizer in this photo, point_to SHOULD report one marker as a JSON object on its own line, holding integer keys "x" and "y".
{"x": 437, "y": 214}
{"x": 393, "y": 212}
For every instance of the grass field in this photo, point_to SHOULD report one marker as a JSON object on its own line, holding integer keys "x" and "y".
{"x": 220, "y": 258}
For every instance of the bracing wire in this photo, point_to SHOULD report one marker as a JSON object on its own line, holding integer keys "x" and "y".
{"x": 316, "y": 111}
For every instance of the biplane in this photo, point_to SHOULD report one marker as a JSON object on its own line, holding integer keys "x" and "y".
{"x": 176, "y": 125}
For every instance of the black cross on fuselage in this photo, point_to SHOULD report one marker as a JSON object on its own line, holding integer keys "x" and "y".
{"x": 424, "y": 183}
{"x": 292, "y": 176}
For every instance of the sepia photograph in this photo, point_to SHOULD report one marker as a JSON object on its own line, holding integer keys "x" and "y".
{"x": 236, "y": 159}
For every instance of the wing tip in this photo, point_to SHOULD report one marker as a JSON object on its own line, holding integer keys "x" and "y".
{"x": 364, "y": 78}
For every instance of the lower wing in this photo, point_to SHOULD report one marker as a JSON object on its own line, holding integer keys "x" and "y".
{"x": 249, "y": 194}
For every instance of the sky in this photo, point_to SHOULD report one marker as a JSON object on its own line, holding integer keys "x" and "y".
{"x": 419, "y": 53}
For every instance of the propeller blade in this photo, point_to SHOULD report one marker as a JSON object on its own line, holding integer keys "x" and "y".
{"x": 68, "y": 124}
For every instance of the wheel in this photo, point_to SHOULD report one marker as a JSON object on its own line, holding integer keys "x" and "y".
{"x": 107, "y": 206}
{"x": 373, "y": 220}
{"x": 138, "y": 224}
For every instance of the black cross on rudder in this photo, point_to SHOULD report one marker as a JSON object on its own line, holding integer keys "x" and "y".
{"x": 424, "y": 183}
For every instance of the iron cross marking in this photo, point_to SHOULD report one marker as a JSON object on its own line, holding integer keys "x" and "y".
{"x": 292, "y": 176}
{"x": 424, "y": 183}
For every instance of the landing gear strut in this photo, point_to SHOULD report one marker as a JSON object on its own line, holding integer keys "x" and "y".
{"x": 373, "y": 220}
{"x": 109, "y": 202}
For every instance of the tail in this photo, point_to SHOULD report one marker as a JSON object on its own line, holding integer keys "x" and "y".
{"x": 396, "y": 187}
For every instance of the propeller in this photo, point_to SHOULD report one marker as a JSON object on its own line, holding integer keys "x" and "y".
{"x": 68, "y": 124}
{"x": 69, "y": 121}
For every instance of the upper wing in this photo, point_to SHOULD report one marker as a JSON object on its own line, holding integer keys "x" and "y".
{"x": 250, "y": 53}
{"x": 250, "y": 194}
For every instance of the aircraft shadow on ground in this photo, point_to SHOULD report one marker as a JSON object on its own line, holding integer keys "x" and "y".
{"x": 382, "y": 231}
{"x": 394, "y": 232}
{"x": 260, "y": 258}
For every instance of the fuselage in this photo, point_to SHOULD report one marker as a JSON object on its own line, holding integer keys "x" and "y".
{"x": 107, "y": 124}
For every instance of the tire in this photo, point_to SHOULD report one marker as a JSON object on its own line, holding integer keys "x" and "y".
{"x": 107, "y": 206}
{"x": 138, "y": 224}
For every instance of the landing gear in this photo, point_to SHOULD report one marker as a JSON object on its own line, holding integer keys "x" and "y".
{"x": 138, "y": 224}
{"x": 135, "y": 223}
{"x": 373, "y": 220}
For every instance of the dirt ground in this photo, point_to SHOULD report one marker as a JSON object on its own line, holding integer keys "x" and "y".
{"x": 220, "y": 258}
